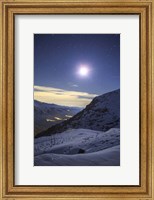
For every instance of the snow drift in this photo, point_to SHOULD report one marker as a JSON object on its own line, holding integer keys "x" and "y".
{"x": 79, "y": 147}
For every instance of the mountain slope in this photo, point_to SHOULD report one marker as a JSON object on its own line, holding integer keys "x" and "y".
{"x": 47, "y": 115}
{"x": 78, "y": 147}
{"x": 102, "y": 114}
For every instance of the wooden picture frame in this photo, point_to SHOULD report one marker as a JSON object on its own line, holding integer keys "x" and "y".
{"x": 10, "y": 8}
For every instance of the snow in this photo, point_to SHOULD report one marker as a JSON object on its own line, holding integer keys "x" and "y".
{"x": 79, "y": 147}
{"x": 102, "y": 114}
{"x": 89, "y": 138}
{"x": 107, "y": 157}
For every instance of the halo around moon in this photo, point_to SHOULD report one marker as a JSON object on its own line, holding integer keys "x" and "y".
{"x": 83, "y": 70}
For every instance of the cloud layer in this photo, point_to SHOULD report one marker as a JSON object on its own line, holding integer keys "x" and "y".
{"x": 62, "y": 97}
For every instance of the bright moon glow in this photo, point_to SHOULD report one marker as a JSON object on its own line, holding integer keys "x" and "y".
{"x": 83, "y": 71}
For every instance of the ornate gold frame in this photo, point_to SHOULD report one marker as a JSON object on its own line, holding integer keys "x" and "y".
{"x": 10, "y": 8}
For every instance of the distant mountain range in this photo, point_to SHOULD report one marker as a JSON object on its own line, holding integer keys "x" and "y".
{"x": 47, "y": 115}
{"x": 102, "y": 114}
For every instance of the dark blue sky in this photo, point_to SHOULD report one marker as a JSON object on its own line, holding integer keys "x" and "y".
{"x": 57, "y": 58}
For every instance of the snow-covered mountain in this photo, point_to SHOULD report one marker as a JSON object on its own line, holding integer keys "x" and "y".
{"x": 78, "y": 147}
{"x": 102, "y": 114}
{"x": 46, "y": 115}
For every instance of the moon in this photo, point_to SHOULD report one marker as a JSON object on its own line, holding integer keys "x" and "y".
{"x": 83, "y": 70}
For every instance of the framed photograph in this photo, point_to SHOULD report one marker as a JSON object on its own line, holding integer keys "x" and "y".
{"x": 77, "y": 99}
{"x": 71, "y": 109}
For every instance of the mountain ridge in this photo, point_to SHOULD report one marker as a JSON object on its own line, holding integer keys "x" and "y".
{"x": 46, "y": 115}
{"x": 101, "y": 114}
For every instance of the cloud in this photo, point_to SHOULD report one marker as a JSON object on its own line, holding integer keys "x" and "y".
{"x": 72, "y": 84}
{"x": 62, "y": 97}
{"x": 75, "y": 85}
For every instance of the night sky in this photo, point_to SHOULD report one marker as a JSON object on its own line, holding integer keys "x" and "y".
{"x": 59, "y": 57}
